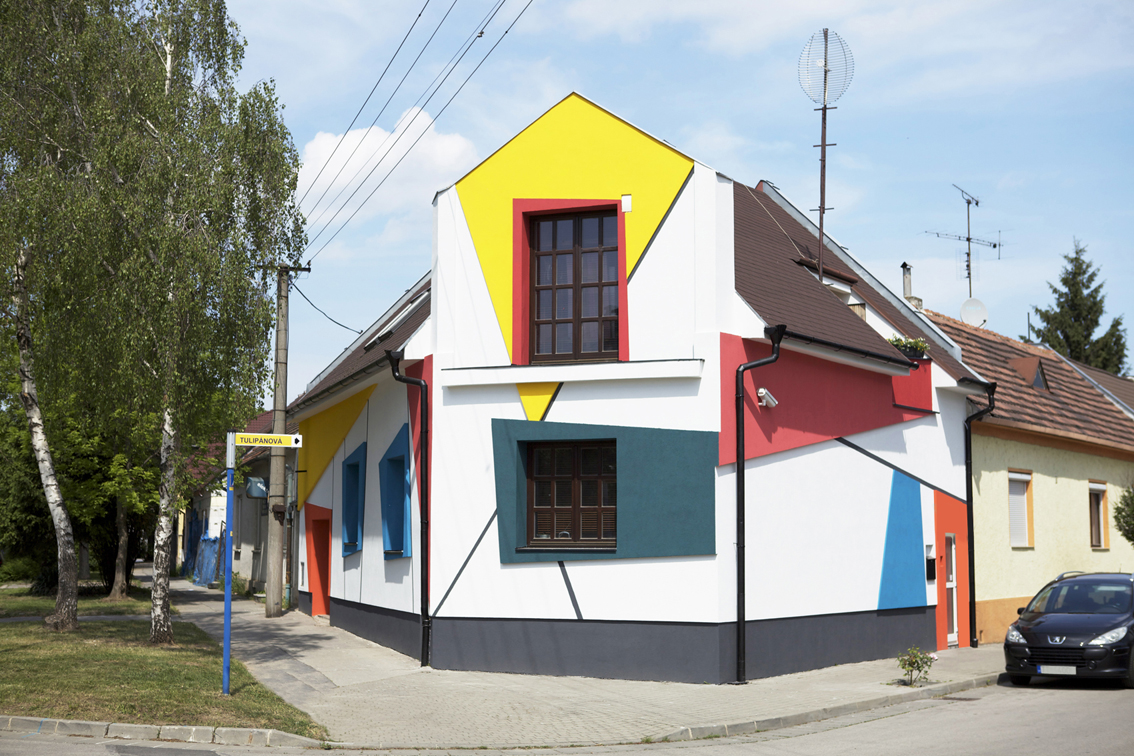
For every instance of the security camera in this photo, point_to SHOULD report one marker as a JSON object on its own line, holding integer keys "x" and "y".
{"x": 766, "y": 398}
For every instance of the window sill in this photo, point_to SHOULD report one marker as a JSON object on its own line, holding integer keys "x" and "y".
{"x": 572, "y": 372}
{"x": 1023, "y": 548}
{"x": 567, "y": 549}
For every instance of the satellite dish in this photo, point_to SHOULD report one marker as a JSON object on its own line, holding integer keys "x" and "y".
{"x": 826, "y": 67}
{"x": 974, "y": 313}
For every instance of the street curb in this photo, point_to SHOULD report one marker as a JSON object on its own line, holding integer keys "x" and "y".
{"x": 854, "y": 707}
{"x": 179, "y": 733}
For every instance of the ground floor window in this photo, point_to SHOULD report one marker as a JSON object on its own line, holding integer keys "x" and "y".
{"x": 572, "y": 493}
{"x": 1096, "y": 503}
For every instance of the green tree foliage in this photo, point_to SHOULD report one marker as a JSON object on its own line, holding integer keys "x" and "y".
{"x": 1124, "y": 514}
{"x": 1070, "y": 324}
{"x": 147, "y": 201}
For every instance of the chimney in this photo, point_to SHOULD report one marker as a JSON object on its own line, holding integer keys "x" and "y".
{"x": 907, "y": 287}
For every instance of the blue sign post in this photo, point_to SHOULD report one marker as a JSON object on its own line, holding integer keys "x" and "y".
{"x": 230, "y": 455}
{"x": 243, "y": 439}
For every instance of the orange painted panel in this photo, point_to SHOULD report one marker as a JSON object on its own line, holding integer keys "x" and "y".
{"x": 318, "y": 527}
{"x": 950, "y": 516}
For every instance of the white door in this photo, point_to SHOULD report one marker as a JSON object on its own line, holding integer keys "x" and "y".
{"x": 951, "y": 588}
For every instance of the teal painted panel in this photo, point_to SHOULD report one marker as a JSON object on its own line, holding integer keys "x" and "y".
{"x": 903, "y": 561}
{"x": 666, "y": 489}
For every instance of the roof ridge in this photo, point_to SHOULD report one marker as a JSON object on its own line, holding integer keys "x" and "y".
{"x": 1040, "y": 349}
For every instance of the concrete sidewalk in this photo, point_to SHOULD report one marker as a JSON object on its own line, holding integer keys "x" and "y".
{"x": 366, "y": 694}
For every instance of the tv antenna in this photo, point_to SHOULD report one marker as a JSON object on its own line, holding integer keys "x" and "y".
{"x": 970, "y": 200}
{"x": 826, "y": 68}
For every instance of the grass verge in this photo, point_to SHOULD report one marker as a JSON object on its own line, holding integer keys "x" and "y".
{"x": 16, "y": 602}
{"x": 108, "y": 671}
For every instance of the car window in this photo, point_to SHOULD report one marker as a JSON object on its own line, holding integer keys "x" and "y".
{"x": 1082, "y": 597}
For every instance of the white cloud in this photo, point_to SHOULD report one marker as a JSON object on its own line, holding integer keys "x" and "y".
{"x": 362, "y": 162}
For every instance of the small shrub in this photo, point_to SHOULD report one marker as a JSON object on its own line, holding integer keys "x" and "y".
{"x": 915, "y": 663}
{"x": 18, "y": 570}
{"x": 1123, "y": 515}
{"x": 911, "y": 345}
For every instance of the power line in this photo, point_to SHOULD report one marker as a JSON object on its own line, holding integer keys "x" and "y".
{"x": 375, "y": 121}
{"x": 356, "y": 115}
{"x": 419, "y": 137}
{"x": 447, "y": 70}
{"x": 328, "y": 317}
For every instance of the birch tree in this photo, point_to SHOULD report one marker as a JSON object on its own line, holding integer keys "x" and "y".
{"x": 149, "y": 203}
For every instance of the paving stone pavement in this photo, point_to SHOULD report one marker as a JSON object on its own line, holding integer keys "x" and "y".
{"x": 366, "y": 694}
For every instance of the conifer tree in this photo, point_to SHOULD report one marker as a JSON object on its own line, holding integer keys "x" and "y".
{"x": 1070, "y": 324}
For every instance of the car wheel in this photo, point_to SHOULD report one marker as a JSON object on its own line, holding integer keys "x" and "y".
{"x": 1020, "y": 680}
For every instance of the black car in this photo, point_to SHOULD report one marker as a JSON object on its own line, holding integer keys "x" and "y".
{"x": 1079, "y": 625}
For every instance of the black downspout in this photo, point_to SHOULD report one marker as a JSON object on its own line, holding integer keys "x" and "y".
{"x": 423, "y": 474}
{"x": 775, "y": 334}
{"x": 990, "y": 389}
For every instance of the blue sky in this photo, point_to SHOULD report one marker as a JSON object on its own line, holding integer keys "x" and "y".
{"x": 1027, "y": 105}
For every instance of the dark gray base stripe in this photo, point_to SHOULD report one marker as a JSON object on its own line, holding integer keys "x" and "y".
{"x": 892, "y": 466}
{"x": 305, "y": 602}
{"x": 570, "y": 591}
{"x": 675, "y": 651}
{"x": 391, "y": 628}
{"x": 457, "y": 577}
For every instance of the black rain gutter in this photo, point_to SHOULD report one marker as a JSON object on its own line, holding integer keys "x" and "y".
{"x": 990, "y": 389}
{"x": 908, "y": 364}
{"x": 423, "y": 474}
{"x": 775, "y": 334}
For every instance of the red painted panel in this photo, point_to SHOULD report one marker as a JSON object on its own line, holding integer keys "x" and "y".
{"x": 522, "y": 210}
{"x": 423, "y": 370}
{"x": 818, "y": 400}
{"x": 318, "y": 528}
{"x": 950, "y": 516}
{"x": 915, "y": 389}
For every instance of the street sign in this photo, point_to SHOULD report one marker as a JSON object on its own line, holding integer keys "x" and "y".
{"x": 269, "y": 439}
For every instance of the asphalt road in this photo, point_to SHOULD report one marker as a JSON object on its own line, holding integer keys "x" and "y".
{"x": 1061, "y": 717}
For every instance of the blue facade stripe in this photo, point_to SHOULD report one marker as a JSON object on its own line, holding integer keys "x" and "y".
{"x": 396, "y": 516}
{"x": 903, "y": 561}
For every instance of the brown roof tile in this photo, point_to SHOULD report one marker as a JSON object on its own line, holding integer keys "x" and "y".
{"x": 1121, "y": 388}
{"x": 1070, "y": 406}
{"x": 769, "y": 245}
{"x": 372, "y": 351}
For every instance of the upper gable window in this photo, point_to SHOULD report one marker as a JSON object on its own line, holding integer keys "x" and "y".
{"x": 1040, "y": 381}
{"x": 574, "y": 311}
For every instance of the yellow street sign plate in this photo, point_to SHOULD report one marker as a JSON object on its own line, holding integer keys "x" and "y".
{"x": 269, "y": 439}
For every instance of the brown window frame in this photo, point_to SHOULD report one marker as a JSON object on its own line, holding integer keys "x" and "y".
{"x": 607, "y": 324}
{"x": 1097, "y": 518}
{"x": 606, "y": 517}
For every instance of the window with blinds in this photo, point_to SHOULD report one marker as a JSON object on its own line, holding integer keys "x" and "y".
{"x": 1018, "y": 484}
{"x": 572, "y": 494}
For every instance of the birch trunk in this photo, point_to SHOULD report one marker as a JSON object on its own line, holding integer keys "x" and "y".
{"x": 161, "y": 626}
{"x": 120, "y": 590}
{"x": 66, "y": 612}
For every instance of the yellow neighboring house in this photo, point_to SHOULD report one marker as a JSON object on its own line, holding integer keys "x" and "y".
{"x": 1048, "y": 465}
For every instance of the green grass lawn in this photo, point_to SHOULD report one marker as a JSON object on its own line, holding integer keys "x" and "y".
{"x": 108, "y": 671}
{"x": 16, "y": 602}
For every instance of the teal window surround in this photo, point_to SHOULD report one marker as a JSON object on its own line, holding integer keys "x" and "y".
{"x": 666, "y": 490}
{"x": 354, "y": 499}
{"x": 394, "y": 471}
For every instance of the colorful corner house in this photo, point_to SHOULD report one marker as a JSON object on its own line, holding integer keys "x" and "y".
{"x": 592, "y": 293}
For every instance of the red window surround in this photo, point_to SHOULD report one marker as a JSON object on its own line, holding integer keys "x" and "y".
{"x": 523, "y": 210}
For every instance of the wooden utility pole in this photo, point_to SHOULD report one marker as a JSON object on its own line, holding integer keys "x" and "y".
{"x": 273, "y": 591}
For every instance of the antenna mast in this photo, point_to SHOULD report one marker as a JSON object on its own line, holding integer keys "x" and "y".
{"x": 970, "y": 200}
{"x": 837, "y": 74}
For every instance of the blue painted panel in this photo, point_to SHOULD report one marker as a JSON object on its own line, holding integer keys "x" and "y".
{"x": 396, "y": 520}
{"x": 903, "y": 561}
{"x": 354, "y": 498}
{"x": 666, "y": 489}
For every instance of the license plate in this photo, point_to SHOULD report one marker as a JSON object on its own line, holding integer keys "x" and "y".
{"x": 1049, "y": 669}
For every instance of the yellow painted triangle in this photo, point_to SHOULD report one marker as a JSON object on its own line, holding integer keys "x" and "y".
{"x": 576, "y": 150}
{"x": 536, "y": 398}
{"x": 323, "y": 434}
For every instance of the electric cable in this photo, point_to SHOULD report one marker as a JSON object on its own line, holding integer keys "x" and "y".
{"x": 328, "y": 317}
{"x": 331, "y": 183}
{"x": 419, "y": 137}
{"x": 356, "y": 115}
{"x": 451, "y": 66}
